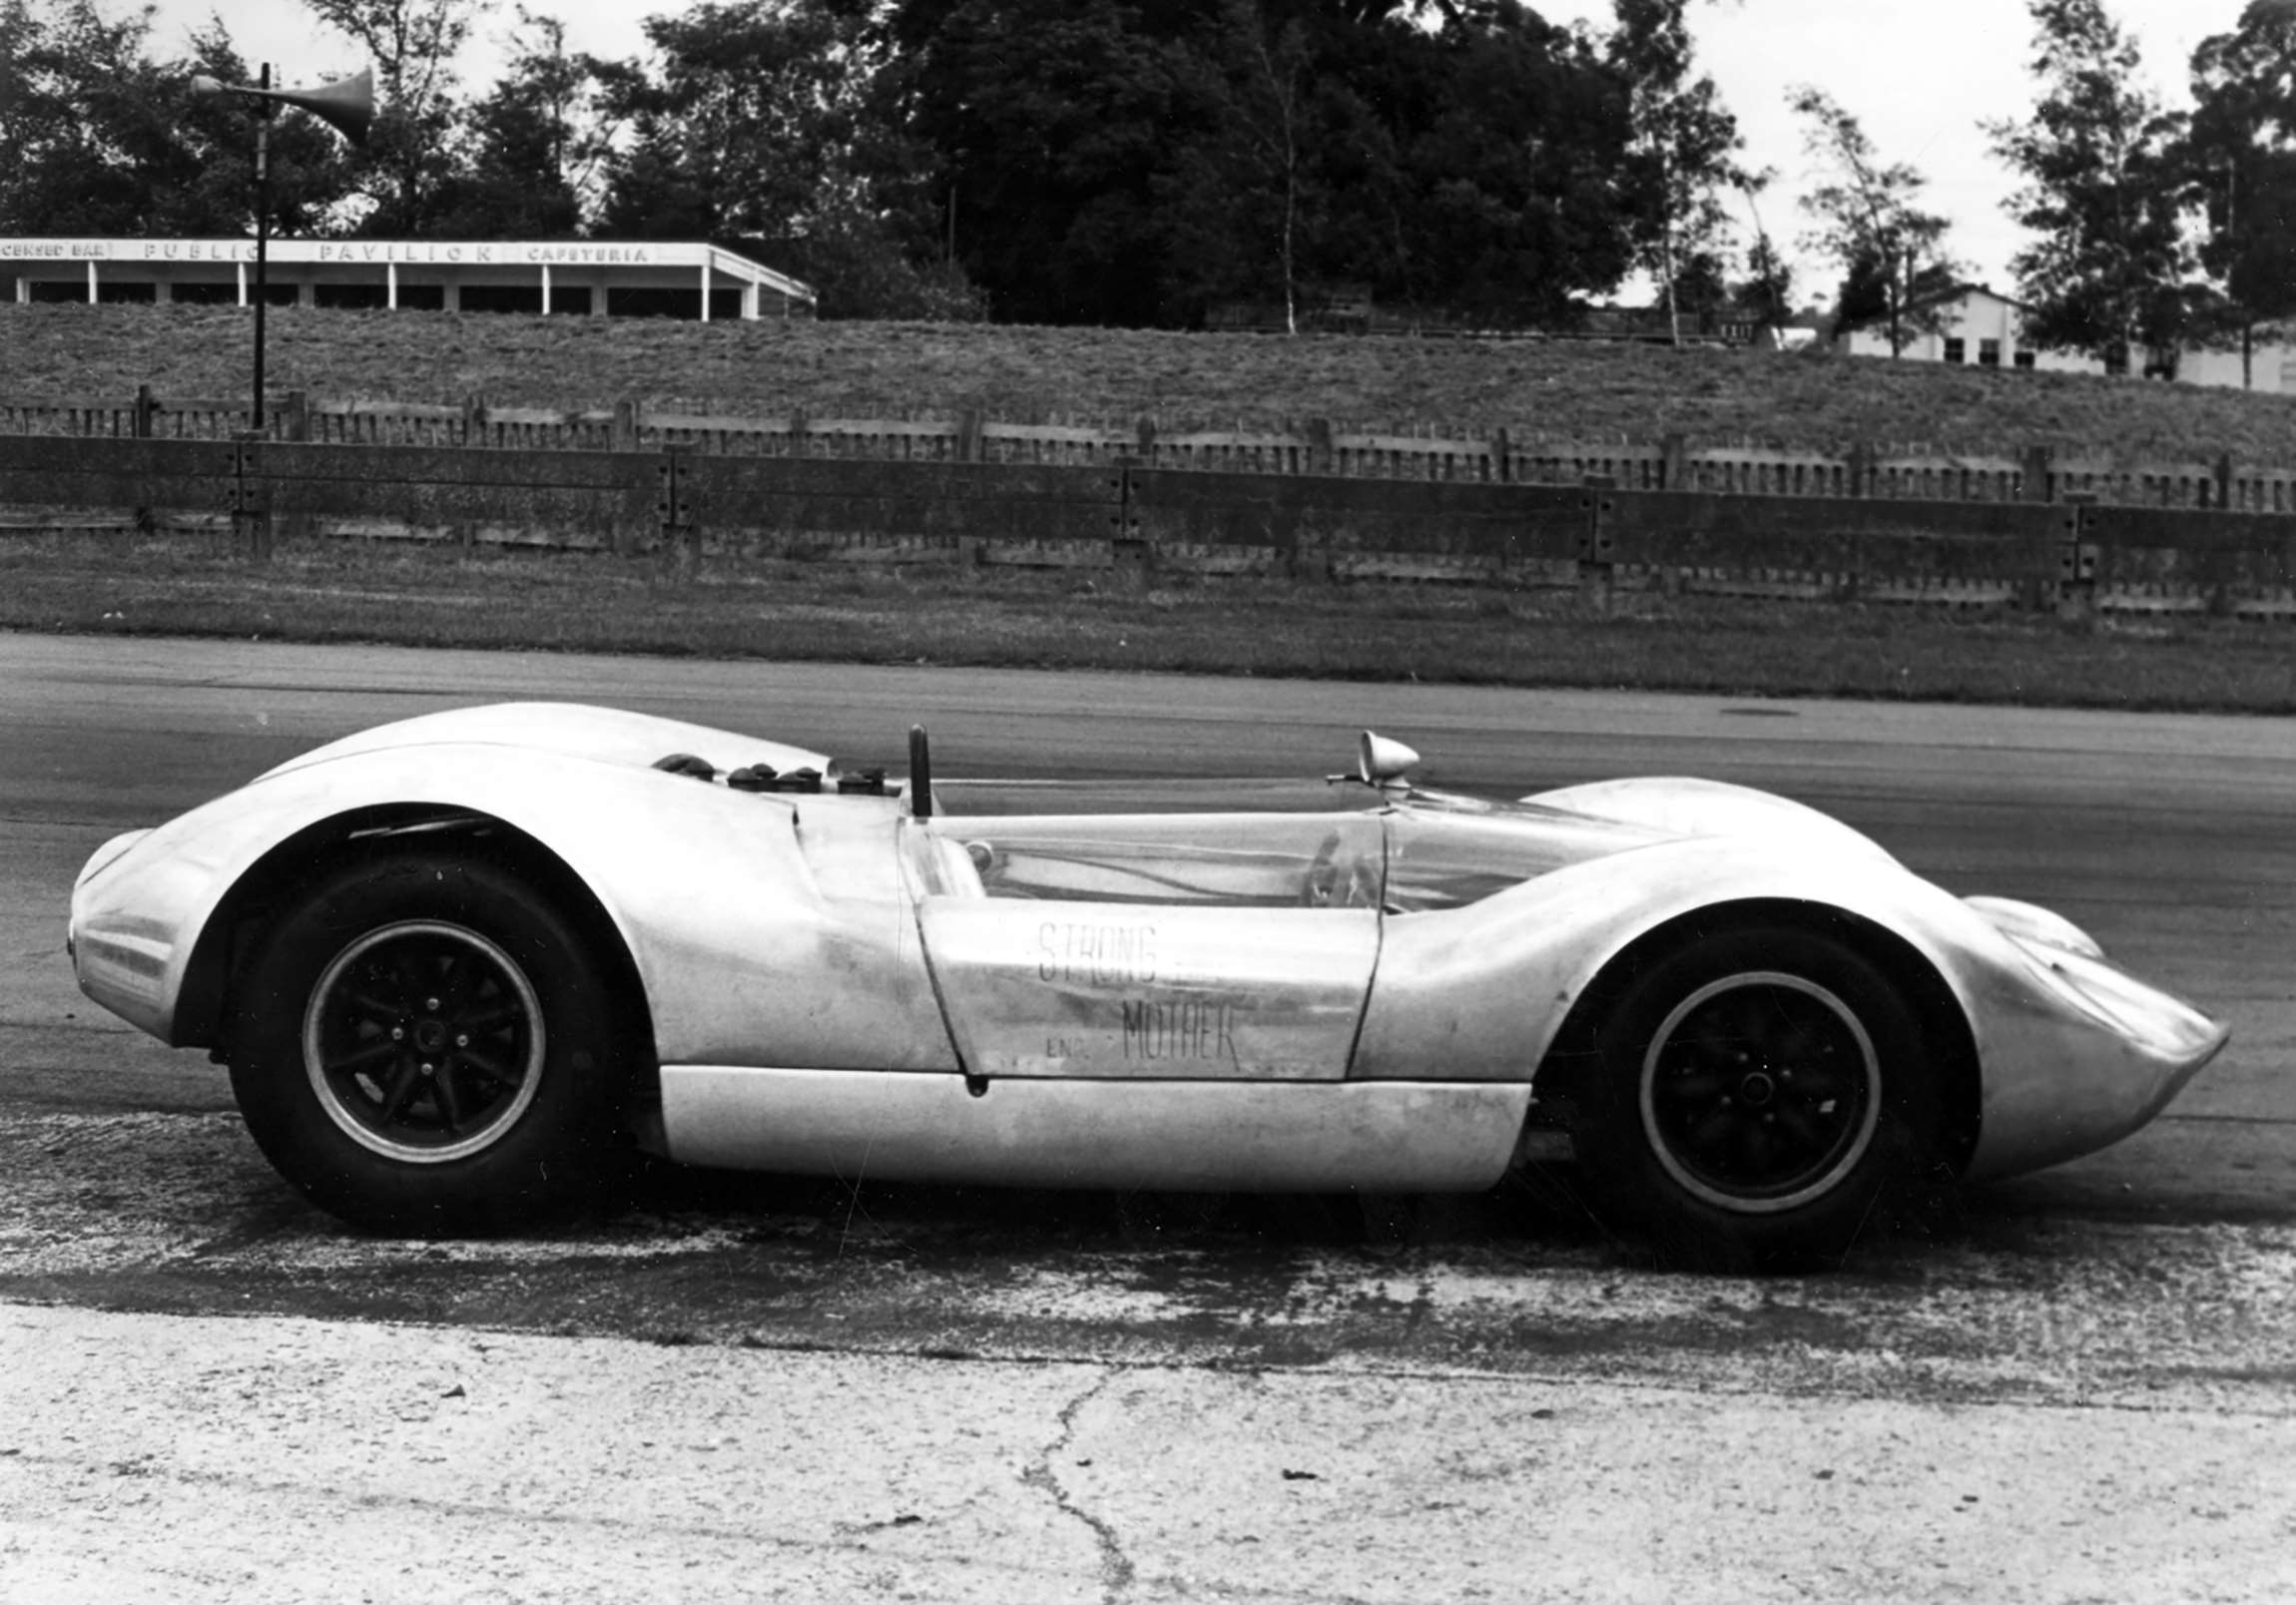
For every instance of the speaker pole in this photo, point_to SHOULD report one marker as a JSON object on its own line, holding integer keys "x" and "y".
{"x": 347, "y": 106}
{"x": 263, "y": 231}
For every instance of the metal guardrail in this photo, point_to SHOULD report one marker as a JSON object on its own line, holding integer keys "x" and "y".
{"x": 1314, "y": 446}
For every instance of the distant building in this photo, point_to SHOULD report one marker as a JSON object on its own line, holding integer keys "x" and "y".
{"x": 1979, "y": 327}
{"x": 1986, "y": 328}
{"x": 596, "y": 279}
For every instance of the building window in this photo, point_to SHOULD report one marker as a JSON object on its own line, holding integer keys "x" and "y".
{"x": 1989, "y": 353}
{"x": 207, "y": 293}
{"x": 2023, "y": 359}
{"x": 1956, "y": 350}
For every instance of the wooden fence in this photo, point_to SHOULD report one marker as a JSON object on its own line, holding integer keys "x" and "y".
{"x": 1317, "y": 503}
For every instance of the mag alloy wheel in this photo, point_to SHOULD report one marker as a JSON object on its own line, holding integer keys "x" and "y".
{"x": 1760, "y": 1091}
{"x": 423, "y": 1041}
{"x": 1757, "y": 1097}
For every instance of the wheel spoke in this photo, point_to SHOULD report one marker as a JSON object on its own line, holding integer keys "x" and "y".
{"x": 367, "y": 1006}
{"x": 1751, "y": 1150}
{"x": 1709, "y": 1133}
{"x": 358, "y": 1059}
{"x": 1802, "y": 1128}
{"x": 450, "y": 1103}
{"x": 487, "y": 1068}
{"x": 507, "y": 1012}
{"x": 401, "y": 1089}
{"x": 1697, "y": 1086}
{"x": 466, "y": 975}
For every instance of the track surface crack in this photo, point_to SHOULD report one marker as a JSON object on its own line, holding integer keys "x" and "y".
{"x": 1116, "y": 1568}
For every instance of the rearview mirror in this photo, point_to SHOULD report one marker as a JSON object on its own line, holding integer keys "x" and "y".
{"x": 1383, "y": 762}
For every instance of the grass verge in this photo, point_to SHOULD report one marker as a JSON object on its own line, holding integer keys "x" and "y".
{"x": 390, "y": 592}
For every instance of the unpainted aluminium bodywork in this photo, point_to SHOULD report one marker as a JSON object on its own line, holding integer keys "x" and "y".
{"x": 1292, "y": 999}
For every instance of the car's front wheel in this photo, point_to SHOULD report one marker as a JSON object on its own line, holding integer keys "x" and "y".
{"x": 423, "y": 1045}
{"x": 1758, "y": 1097}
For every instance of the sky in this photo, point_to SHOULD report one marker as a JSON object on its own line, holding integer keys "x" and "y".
{"x": 1919, "y": 75}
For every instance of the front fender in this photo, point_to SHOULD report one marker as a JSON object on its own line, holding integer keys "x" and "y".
{"x": 2072, "y": 1053}
{"x": 1685, "y": 806}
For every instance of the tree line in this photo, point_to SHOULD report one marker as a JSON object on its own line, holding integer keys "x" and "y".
{"x": 1150, "y": 162}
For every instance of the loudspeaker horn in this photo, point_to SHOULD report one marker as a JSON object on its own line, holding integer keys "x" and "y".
{"x": 347, "y": 104}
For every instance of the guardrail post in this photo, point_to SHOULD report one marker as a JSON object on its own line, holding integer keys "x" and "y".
{"x": 1674, "y": 462}
{"x": 681, "y": 538}
{"x": 625, "y": 427}
{"x": 1320, "y": 451}
{"x": 250, "y": 503}
{"x": 1594, "y": 544}
{"x": 1503, "y": 456}
{"x": 2077, "y": 557}
{"x": 969, "y": 427}
{"x": 2036, "y": 474}
{"x": 1128, "y": 553}
{"x": 146, "y": 408}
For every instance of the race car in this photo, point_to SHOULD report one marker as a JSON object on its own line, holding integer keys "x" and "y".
{"x": 463, "y": 965}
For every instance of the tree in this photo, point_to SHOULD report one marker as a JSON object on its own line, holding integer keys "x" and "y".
{"x": 415, "y": 148}
{"x": 540, "y": 141}
{"x": 773, "y": 121}
{"x": 1768, "y": 288}
{"x": 2237, "y": 160}
{"x": 2103, "y": 194}
{"x": 1056, "y": 127}
{"x": 1116, "y": 162}
{"x": 103, "y": 139}
{"x": 1240, "y": 195}
{"x": 1684, "y": 146}
{"x": 1891, "y": 251}
{"x": 1513, "y": 148}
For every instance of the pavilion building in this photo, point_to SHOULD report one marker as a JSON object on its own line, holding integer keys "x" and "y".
{"x": 596, "y": 279}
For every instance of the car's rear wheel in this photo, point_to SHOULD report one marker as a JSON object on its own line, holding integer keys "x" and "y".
{"x": 1758, "y": 1098}
{"x": 423, "y": 1045}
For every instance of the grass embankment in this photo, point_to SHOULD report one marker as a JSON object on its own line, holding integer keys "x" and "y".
{"x": 1554, "y": 391}
{"x": 355, "y": 591}
{"x": 387, "y": 592}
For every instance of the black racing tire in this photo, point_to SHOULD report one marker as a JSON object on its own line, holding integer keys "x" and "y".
{"x": 1759, "y": 1099}
{"x": 424, "y": 1046}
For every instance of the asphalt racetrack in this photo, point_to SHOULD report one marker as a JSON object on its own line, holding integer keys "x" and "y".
{"x": 2079, "y": 1389}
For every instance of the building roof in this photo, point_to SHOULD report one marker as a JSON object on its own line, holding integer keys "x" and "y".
{"x": 194, "y": 256}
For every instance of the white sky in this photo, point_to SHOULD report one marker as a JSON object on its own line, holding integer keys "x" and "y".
{"x": 1919, "y": 74}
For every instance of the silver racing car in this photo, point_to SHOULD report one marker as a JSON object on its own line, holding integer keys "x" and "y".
{"x": 462, "y": 966}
